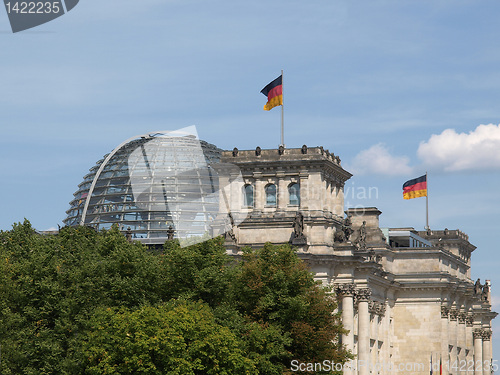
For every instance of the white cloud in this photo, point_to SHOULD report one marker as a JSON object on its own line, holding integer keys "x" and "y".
{"x": 452, "y": 151}
{"x": 378, "y": 160}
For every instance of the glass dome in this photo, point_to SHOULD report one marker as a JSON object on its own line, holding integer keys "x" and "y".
{"x": 149, "y": 183}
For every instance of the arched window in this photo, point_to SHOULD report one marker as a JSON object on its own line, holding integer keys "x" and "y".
{"x": 271, "y": 195}
{"x": 248, "y": 195}
{"x": 294, "y": 194}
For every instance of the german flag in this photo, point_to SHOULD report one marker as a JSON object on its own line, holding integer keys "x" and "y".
{"x": 415, "y": 188}
{"x": 274, "y": 93}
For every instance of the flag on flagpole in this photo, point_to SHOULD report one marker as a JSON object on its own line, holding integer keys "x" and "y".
{"x": 431, "y": 366}
{"x": 274, "y": 93}
{"x": 415, "y": 188}
{"x": 440, "y": 366}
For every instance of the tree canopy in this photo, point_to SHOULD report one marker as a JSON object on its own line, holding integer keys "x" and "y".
{"x": 82, "y": 302}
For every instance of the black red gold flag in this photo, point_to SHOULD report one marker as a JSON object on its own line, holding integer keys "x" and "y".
{"x": 274, "y": 93}
{"x": 415, "y": 188}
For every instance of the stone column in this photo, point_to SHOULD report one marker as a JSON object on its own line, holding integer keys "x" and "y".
{"x": 469, "y": 339}
{"x": 282, "y": 197}
{"x": 333, "y": 198}
{"x": 444, "y": 334}
{"x": 233, "y": 195}
{"x": 363, "y": 331}
{"x": 478, "y": 351}
{"x": 259, "y": 194}
{"x": 486, "y": 336}
{"x": 304, "y": 191}
{"x": 339, "y": 200}
{"x": 346, "y": 293}
{"x": 461, "y": 343}
{"x": 386, "y": 345}
{"x": 453, "y": 340}
{"x": 375, "y": 309}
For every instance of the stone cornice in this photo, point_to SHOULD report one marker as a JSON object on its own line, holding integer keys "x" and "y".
{"x": 315, "y": 159}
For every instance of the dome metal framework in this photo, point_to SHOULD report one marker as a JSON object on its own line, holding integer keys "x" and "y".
{"x": 149, "y": 183}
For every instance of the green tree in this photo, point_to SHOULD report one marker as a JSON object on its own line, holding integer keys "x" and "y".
{"x": 178, "y": 338}
{"x": 51, "y": 286}
{"x": 63, "y": 297}
{"x": 201, "y": 271}
{"x": 274, "y": 287}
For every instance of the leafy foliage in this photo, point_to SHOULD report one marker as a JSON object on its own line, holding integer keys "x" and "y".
{"x": 83, "y": 302}
{"x": 179, "y": 338}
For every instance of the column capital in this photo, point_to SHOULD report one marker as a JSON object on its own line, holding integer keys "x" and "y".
{"x": 347, "y": 290}
{"x": 363, "y": 294}
{"x": 486, "y": 334}
{"x": 477, "y": 333}
{"x": 444, "y": 311}
{"x": 453, "y": 314}
{"x": 462, "y": 318}
{"x": 376, "y": 308}
{"x": 470, "y": 320}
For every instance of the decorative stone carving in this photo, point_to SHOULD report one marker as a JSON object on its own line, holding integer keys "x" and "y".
{"x": 298, "y": 230}
{"x": 453, "y": 314}
{"x": 462, "y": 318}
{"x": 128, "y": 235}
{"x": 281, "y": 150}
{"x": 304, "y": 149}
{"x": 470, "y": 320}
{"x": 345, "y": 231}
{"x": 444, "y": 312}
{"x": 376, "y": 308}
{"x": 382, "y": 309}
{"x": 347, "y": 228}
{"x": 258, "y": 151}
{"x": 229, "y": 228}
{"x": 477, "y": 333}
{"x": 486, "y": 334}
{"x": 362, "y": 236}
{"x": 235, "y": 152}
{"x": 372, "y": 257}
{"x": 478, "y": 287}
{"x": 170, "y": 233}
{"x": 363, "y": 295}
{"x": 485, "y": 292}
{"x": 345, "y": 289}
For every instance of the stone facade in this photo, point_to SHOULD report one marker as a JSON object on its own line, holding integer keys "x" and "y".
{"x": 404, "y": 295}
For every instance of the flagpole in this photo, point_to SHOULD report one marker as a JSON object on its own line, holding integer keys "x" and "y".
{"x": 282, "y": 110}
{"x": 427, "y": 203}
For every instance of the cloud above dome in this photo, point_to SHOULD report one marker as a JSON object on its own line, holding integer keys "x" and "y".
{"x": 378, "y": 160}
{"x": 451, "y": 151}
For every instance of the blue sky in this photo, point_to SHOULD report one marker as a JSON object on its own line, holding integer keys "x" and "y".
{"x": 393, "y": 87}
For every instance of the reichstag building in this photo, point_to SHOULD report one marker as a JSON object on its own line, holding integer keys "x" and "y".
{"x": 405, "y": 295}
